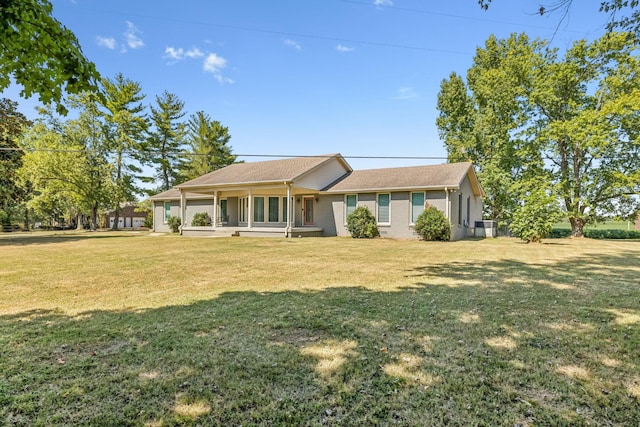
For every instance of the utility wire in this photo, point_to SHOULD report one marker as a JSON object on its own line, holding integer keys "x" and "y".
{"x": 187, "y": 154}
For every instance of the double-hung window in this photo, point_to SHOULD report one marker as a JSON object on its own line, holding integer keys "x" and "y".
{"x": 383, "y": 214}
{"x": 167, "y": 211}
{"x": 351, "y": 202}
{"x": 285, "y": 209}
{"x": 417, "y": 205}
{"x": 224, "y": 216}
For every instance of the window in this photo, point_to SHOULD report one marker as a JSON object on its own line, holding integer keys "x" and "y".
{"x": 258, "y": 209}
{"x": 243, "y": 209}
{"x": 459, "y": 209}
{"x": 351, "y": 203}
{"x": 383, "y": 208}
{"x": 167, "y": 211}
{"x": 468, "y": 210}
{"x": 224, "y": 216}
{"x": 274, "y": 209}
{"x": 417, "y": 206}
{"x": 285, "y": 209}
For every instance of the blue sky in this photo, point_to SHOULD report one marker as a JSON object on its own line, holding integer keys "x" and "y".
{"x": 309, "y": 76}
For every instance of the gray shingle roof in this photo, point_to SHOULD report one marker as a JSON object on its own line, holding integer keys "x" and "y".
{"x": 431, "y": 176}
{"x": 261, "y": 172}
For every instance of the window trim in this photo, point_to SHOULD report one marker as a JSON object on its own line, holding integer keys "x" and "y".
{"x": 424, "y": 200}
{"x": 166, "y": 217}
{"x": 388, "y": 208}
{"x": 346, "y": 205}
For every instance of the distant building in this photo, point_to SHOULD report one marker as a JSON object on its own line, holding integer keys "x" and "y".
{"x": 128, "y": 218}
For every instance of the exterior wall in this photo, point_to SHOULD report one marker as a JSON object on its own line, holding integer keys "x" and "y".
{"x": 158, "y": 215}
{"x": 232, "y": 211}
{"x": 195, "y": 206}
{"x": 400, "y": 212}
{"x": 461, "y": 225}
{"x": 325, "y": 215}
{"x": 321, "y": 177}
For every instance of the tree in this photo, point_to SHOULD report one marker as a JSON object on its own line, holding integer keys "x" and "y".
{"x": 124, "y": 132}
{"x": 167, "y": 138}
{"x": 41, "y": 54}
{"x": 208, "y": 141}
{"x": 65, "y": 163}
{"x": 535, "y": 217}
{"x": 12, "y": 124}
{"x": 575, "y": 119}
{"x": 623, "y": 14}
{"x": 478, "y": 122}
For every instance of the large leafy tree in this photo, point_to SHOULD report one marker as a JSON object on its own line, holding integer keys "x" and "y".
{"x": 166, "y": 139}
{"x": 623, "y": 14}
{"x": 125, "y": 133}
{"x": 569, "y": 124}
{"x": 12, "y": 124}
{"x": 40, "y": 54}
{"x": 65, "y": 161}
{"x": 208, "y": 143}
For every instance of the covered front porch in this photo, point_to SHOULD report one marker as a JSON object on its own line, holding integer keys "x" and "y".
{"x": 279, "y": 210}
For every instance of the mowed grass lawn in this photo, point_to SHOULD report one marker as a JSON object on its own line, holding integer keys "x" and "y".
{"x": 133, "y": 329}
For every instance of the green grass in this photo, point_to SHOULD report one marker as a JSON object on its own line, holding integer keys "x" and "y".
{"x": 132, "y": 329}
{"x": 606, "y": 225}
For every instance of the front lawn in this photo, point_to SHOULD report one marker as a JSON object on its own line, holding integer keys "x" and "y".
{"x": 134, "y": 329}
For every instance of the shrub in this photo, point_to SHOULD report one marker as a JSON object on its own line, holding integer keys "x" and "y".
{"x": 174, "y": 222}
{"x": 148, "y": 220}
{"x": 611, "y": 234}
{"x": 433, "y": 225}
{"x": 201, "y": 219}
{"x": 535, "y": 218}
{"x": 362, "y": 224}
{"x": 560, "y": 233}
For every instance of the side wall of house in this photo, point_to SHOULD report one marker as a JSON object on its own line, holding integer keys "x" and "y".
{"x": 159, "y": 225}
{"x": 466, "y": 209}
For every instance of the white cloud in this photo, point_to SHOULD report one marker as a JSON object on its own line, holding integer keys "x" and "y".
{"x": 383, "y": 2}
{"x": 214, "y": 64}
{"x": 131, "y": 36}
{"x": 406, "y": 93}
{"x": 341, "y": 48}
{"x": 292, "y": 43}
{"x": 108, "y": 42}
{"x": 180, "y": 53}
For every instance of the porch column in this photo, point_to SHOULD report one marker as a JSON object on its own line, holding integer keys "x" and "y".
{"x": 214, "y": 220}
{"x": 288, "y": 231}
{"x": 183, "y": 206}
{"x": 250, "y": 211}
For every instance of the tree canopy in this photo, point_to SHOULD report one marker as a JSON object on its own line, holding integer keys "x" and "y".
{"x": 569, "y": 125}
{"x": 41, "y": 54}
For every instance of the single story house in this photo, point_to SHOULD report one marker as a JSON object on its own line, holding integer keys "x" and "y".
{"x": 127, "y": 219}
{"x": 312, "y": 196}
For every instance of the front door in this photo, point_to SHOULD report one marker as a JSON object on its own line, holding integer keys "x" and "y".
{"x": 307, "y": 214}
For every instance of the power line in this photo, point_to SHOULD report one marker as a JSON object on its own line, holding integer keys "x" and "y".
{"x": 187, "y": 154}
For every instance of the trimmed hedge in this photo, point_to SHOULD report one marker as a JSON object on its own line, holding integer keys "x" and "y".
{"x": 559, "y": 233}
{"x": 362, "y": 224}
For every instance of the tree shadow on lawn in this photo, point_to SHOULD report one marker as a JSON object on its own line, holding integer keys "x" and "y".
{"x": 508, "y": 344}
{"x": 34, "y": 238}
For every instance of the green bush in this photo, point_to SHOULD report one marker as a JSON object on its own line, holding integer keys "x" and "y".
{"x": 148, "y": 220}
{"x": 535, "y": 218}
{"x": 174, "y": 222}
{"x": 611, "y": 234}
{"x": 201, "y": 219}
{"x": 560, "y": 233}
{"x": 433, "y": 225}
{"x": 362, "y": 224}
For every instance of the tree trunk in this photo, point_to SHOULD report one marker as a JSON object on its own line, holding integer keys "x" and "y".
{"x": 26, "y": 219}
{"x": 577, "y": 226}
{"x": 94, "y": 218}
{"x": 79, "y": 222}
{"x": 116, "y": 218}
